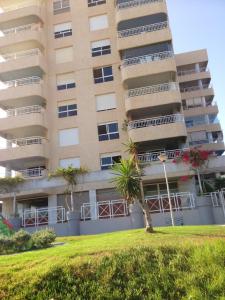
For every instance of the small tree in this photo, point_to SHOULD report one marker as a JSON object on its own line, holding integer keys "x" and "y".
{"x": 70, "y": 175}
{"x": 129, "y": 183}
{"x": 196, "y": 158}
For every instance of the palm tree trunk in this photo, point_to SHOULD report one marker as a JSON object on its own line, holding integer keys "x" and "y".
{"x": 71, "y": 201}
{"x": 199, "y": 182}
{"x": 146, "y": 211}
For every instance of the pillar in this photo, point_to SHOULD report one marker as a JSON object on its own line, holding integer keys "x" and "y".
{"x": 52, "y": 214}
{"x": 93, "y": 203}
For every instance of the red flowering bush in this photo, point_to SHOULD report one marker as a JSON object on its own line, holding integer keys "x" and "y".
{"x": 195, "y": 157}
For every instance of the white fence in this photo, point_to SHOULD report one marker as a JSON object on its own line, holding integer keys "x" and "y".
{"x": 23, "y": 111}
{"x": 142, "y": 29}
{"x": 134, "y": 3}
{"x": 195, "y": 88}
{"x": 18, "y": 55}
{"x": 32, "y": 173}
{"x": 34, "y": 140}
{"x": 177, "y": 118}
{"x": 154, "y": 156}
{"x": 43, "y": 216}
{"x": 104, "y": 210}
{"x": 16, "y": 30}
{"x": 20, "y": 82}
{"x": 180, "y": 201}
{"x": 192, "y": 71}
{"x": 152, "y": 89}
{"x": 144, "y": 59}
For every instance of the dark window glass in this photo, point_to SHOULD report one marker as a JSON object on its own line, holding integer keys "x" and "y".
{"x": 67, "y": 111}
{"x": 103, "y": 74}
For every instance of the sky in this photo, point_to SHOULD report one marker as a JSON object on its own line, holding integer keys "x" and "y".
{"x": 199, "y": 24}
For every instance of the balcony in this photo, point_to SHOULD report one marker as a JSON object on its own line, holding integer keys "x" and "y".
{"x": 163, "y": 127}
{"x": 23, "y": 120}
{"x": 31, "y": 9}
{"x": 31, "y": 34}
{"x": 148, "y": 157}
{"x": 154, "y": 95}
{"x": 152, "y": 64}
{"x": 19, "y": 63}
{"x": 199, "y": 110}
{"x": 23, "y": 91}
{"x": 23, "y": 150}
{"x": 143, "y": 35}
{"x": 138, "y": 8}
{"x": 205, "y": 90}
{"x": 193, "y": 74}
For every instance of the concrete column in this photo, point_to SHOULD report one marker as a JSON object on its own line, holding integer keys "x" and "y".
{"x": 8, "y": 172}
{"x": 197, "y": 67}
{"x": 93, "y": 202}
{"x": 136, "y": 215}
{"x": 52, "y": 215}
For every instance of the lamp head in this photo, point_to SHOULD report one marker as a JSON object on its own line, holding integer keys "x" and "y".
{"x": 162, "y": 157}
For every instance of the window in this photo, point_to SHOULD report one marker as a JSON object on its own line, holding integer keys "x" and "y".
{"x": 99, "y": 22}
{"x": 65, "y": 81}
{"x": 95, "y": 2}
{"x": 198, "y": 137}
{"x": 195, "y": 121}
{"x": 99, "y": 48}
{"x": 105, "y": 102}
{"x": 61, "y": 6}
{"x": 108, "y": 160}
{"x": 67, "y": 110}
{"x": 64, "y": 55}
{"x": 68, "y": 137}
{"x": 103, "y": 74}
{"x": 108, "y": 131}
{"x": 67, "y": 162}
{"x": 63, "y": 30}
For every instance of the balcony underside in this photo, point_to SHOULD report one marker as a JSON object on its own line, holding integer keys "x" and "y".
{"x": 199, "y": 93}
{"x": 194, "y": 76}
{"x": 146, "y": 38}
{"x": 140, "y": 11}
{"x": 161, "y": 70}
{"x": 156, "y": 100}
{"x": 215, "y": 147}
{"x": 205, "y": 127}
{"x": 161, "y": 132}
{"x": 23, "y": 67}
{"x": 22, "y": 126}
{"x": 24, "y": 157}
{"x": 198, "y": 111}
{"x": 22, "y": 96}
{"x": 24, "y": 15}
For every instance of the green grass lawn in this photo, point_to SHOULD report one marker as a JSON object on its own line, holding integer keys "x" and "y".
{"x": 173, "y": 263}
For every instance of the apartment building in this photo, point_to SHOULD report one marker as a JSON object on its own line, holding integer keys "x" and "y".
{"x": 73, "y": 74}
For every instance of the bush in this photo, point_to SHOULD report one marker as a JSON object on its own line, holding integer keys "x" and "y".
{"x": 6, "y": 245}
{"x": 43, "y": 239}
{"x": 22, "y": 240}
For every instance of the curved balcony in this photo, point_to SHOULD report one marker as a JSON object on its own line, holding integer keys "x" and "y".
{"x": 23, "y": 90}
{"x": 32, "y": 10}
{"x": 143, "y": 35}
{"x": 154, "y": 156}
{"x": 31, "y": 34}
{"x": 154, "y": 95}
{"x": 23, "y": 120}
{"x": 23, "y": 150}
{"x": 163, "y": 127}
{"x": 197, "y": 91}
{"x": 14, "y": 64}
{"x": 138, "y": 8}
{"x": 152, "y": 64}
{"x": 32, "y": 173}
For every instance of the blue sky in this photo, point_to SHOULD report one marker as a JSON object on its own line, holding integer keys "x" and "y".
{"x": 198, "y": 24}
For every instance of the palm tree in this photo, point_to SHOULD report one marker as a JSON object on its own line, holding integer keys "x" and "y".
{"x": 129, "y": 183}
{"x": 70, "y": 175}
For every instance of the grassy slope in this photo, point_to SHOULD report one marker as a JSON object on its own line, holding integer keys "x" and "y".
{"x": 21, "y": 273}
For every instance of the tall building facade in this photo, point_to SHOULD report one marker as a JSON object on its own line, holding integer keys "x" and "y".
{"x": 81, "y": 77}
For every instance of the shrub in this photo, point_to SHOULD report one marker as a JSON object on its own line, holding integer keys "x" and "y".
{"x": 22, "y": 240}
{"x": 43, "y": 239}
{"x": 6, "y": 244}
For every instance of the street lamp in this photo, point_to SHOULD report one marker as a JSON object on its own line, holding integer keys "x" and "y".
{"x": 163, "y": 157}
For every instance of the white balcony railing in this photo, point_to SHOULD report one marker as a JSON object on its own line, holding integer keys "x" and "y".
{"x": 180, "y": 201}
{"x": 134, "y": 3}
{"x": 152, "y": 89}
{"x": 162, "y": 120}
{"x": 32, "y": 173}
{"x": 24, "y": 111}
{"x": 195, "y": 88}
{"x": 20, "y": 82}
{"x": 20, "y": 5}
{"x": 144, "y": 59}
{"x": 18, "y": 29}
{"x": 142, "y": 29}
{"x": 19, "y": 55}
{"x": 192, "y": 71}
{"x": 34, "y": 140}
{"x": 104, "y": 210}
{"x": 154, "y": 156}
{"x": 43, "y": 216}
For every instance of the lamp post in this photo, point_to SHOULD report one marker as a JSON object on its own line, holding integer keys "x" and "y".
{"x": 162, "y": 157}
